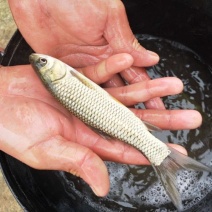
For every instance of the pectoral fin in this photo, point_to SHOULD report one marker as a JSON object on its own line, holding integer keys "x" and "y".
{"x": 87, "y": 82}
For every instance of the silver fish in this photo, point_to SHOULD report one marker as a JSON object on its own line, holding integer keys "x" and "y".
{"x": 96, "y": 108}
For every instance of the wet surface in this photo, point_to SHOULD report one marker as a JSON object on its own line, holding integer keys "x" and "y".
{"x": 184, "y": 53}
{"x": 136, "y": 188}
{"x": 133, "y": 188}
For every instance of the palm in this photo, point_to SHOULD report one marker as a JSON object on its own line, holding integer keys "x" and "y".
{"x": 82, "y": 33}
{"x": 78, "y": 32}
{"x": 37, "y": 119}
{"x": 37, "y": 130}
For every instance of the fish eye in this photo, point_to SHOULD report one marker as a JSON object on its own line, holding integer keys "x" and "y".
{"x": 43, "y": 61}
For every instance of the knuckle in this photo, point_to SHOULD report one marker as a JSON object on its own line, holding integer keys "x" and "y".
{"x": 123, "y": 94}
{"x": 97, "y": 73}
{"x": 135, "y": 44}
{"x": 148, "y": 89}
{"x": 87, "y": 159}
{"x": 123, "y": 151}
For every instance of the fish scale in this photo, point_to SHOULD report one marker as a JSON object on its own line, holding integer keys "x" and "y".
{"x": 101, "y": 111}
{"x": 98, "y": 109}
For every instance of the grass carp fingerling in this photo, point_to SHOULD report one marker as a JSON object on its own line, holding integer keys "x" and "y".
{"x": 95, "y": 107}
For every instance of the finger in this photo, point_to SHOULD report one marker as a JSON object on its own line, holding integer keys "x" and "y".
{"x": 60, "y": 154}
{"x": 137, "y": 74}
{"x": 121, "y": 38}
{"x": 171, "y": 119}
{"x": 112, "y": 150}
{"x": 104, "y": 70}
{"x": 143, "y": 91}
{"x": 127, "y": 152}
{"x": 155, "y": 103}
{"x": 80, "y": 56}
{"x": 114, "y": 82}
{"x": 178, "y": 148}
{"x": 121, "y": 152}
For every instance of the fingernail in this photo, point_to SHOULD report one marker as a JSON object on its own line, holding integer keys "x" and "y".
{"x": 152, "y": 53}
{"x": 94, "y": 191}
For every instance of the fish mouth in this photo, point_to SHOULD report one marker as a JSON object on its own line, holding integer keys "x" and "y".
{"x": 33, "y": 58}
{"x": 37, "y": 61}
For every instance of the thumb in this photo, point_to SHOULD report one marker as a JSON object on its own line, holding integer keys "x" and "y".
{"x": 60, "y": 154}
{"x": 121, "y": 39}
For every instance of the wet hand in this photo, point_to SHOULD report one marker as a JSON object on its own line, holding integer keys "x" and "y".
{"x": 79, "y": 32}
{"x": 38, "y": 131}
{"x": 82, "y": 33}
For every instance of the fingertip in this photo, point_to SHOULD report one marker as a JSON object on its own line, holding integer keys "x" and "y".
{"x": 98, "y": 192}
{"x": 145, "y": 58}
{"x": 178, "y": 85}
{"x": 96, "y": 175}
{"x": 173, "y": 84}
{"x": 197, "y": 118}
{"x": 73, "y": 158}
{"x": 119, "y": 62}
{"x": 154, "y": 56}
{"x": 192, "y": 119}
{"x": 127, "y": 59}
{"x": 179, "y": 148}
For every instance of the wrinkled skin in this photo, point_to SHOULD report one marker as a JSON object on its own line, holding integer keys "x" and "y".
{"x": 82, "y": 33}
{"x": 37, "y": 130}
{"x": 78, "y": 31}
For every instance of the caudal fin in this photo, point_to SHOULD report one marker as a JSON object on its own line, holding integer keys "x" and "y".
{"x": 167, "y": 173}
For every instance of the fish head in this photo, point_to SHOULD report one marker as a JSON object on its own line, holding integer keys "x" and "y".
{"x": 48, "y": 68}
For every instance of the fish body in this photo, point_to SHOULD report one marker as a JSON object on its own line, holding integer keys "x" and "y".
{"x": 96, "y": 108}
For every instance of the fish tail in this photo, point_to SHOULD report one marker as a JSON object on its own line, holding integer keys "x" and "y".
{"x": 167, "y": 172}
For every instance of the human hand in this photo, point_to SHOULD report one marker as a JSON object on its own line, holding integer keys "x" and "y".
{"x": 38, "y": 131}
{"x": 78, "y": 32}
{"x": 82, "y": 33}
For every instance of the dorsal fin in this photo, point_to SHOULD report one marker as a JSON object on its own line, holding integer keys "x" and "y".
{"x": 87, "y": 82}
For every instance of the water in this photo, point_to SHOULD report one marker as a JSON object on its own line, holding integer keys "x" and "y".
{"x": 136, "y": 188}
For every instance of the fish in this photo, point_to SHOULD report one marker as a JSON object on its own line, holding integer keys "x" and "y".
{"x": 111, "y": 119}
